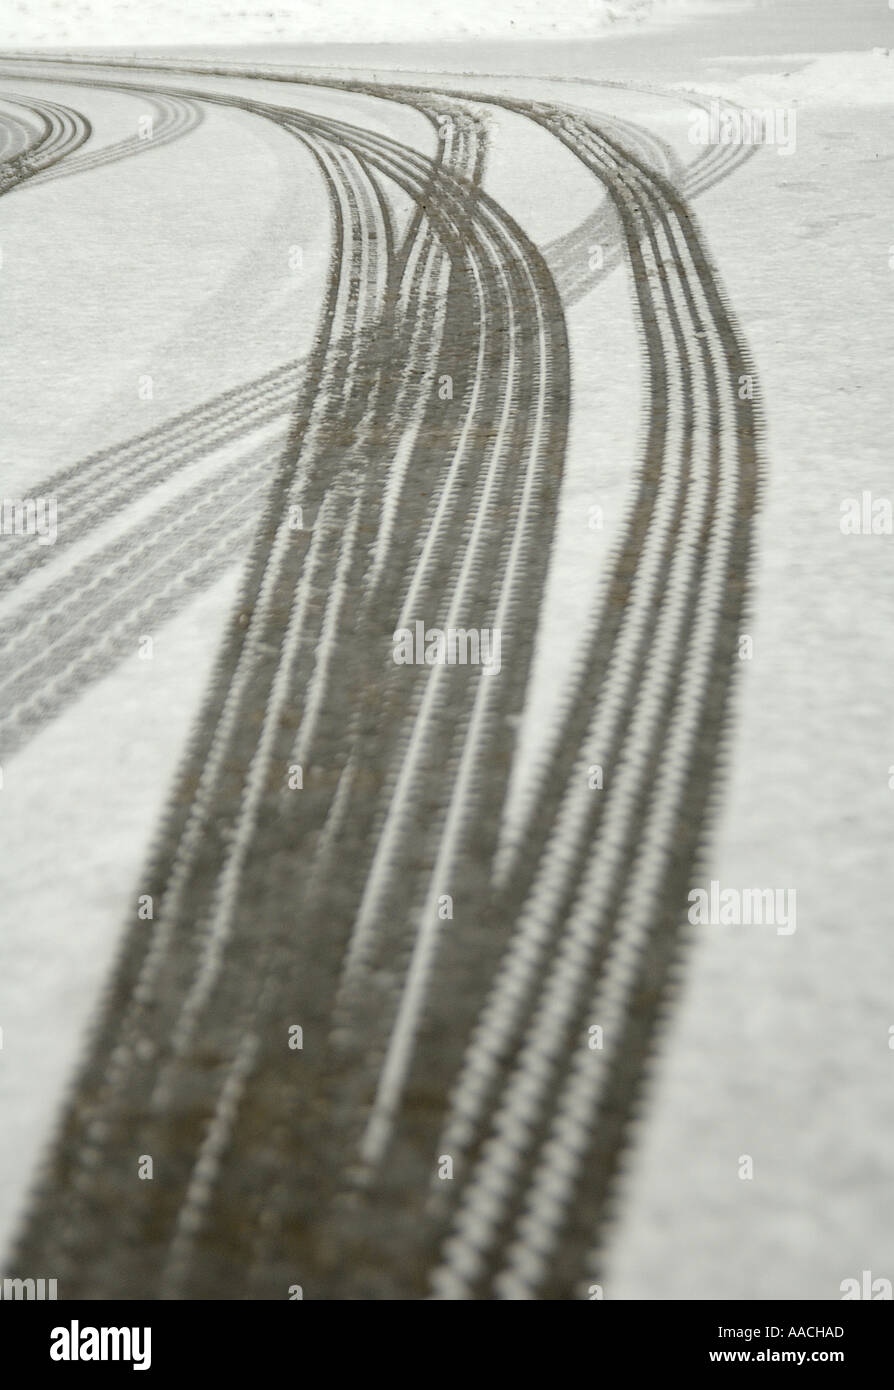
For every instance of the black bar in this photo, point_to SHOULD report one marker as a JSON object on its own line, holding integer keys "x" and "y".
{"x": 258, "y": 1337}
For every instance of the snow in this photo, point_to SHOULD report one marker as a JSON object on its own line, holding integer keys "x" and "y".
{"x": 776, "y": 1048}
{"x": 319, "y": 21}
{"x": 827, "y": 79}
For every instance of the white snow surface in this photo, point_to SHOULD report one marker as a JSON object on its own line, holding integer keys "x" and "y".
{"x": 319, "y": 21}
{"x": 803, "y": 79}
{"x": 776, "y": 1048}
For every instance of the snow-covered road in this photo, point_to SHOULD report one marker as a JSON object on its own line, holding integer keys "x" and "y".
{"x": 313, "y": 357}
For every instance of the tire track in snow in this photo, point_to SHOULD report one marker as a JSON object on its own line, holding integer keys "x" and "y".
{"x": 62, "y": 132}
{"x": 339, "y": 317}
{"x": 566, "y": 925}
{"x": 652, "y": 684}
{"x": 172, "y": 118}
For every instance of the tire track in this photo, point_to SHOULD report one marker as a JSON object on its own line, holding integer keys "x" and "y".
{"x": 99, "y": 487}
{"x": 78, "y": 629}
{"x": 90, "y": 639}
{"x": 175, "y": 118}
{"x": 339, "y": 731}
{"x": 718, "y": 663}
{"x": 574, "y": 923}
{"x": 564, "y": 924}
{"x": 426, "y": 263}
{"x": 62, "y": 131}
{"x": 17, "y": 135}
{"x": 302, "y": 1144}
{"x": 338, "y": 319}
{"x": 569, "y": 257}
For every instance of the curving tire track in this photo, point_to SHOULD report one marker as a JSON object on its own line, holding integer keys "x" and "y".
{"x": 111, "y": 486}
{"x": 569, "y": 256}
{"x": 598, "y": 919}
{"x": 277, "y": 907}
{"x": 61, "y": 132}
{"x": 100, "y": 486}
{"x": 497, "y": 484}
{"x": 172, "y": 118}
{"x": 340, "y": 318}
{"x": 16, "y": 135}
{"x": 85, "y": 623}
{"x": 80, "y": 627}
